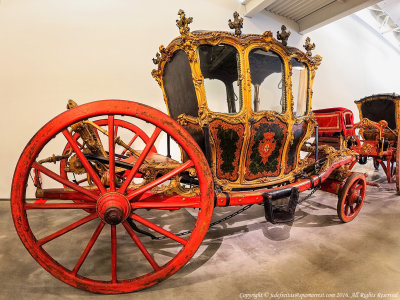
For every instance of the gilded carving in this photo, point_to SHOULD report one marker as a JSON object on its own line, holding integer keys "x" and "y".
{"x": 367, "y": 149}
{"x": 236, "y": 24}
{"x": 183, "y": 23}
{"x": 156, "y": 74}
{"x": 308, "y": 46}
{"x": 157, "y": 59}
{"x": 267, "y": 36}
{"x": 283, "y": 35}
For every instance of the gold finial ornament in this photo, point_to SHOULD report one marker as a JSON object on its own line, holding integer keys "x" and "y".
{"x": 237, "y": 23}
{"x": 71, "y": 104}
{"x": 308, "y": 46}
{"x": 283, "y": 35}
{"x": 183, "y": 22}
{"x": 157, "y": 59}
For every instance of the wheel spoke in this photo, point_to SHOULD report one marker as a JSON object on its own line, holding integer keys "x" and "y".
{"x": 140, "y": 160}
{"x": 113, "y": 253}
{"x": 82, "y": 180}
{"x": 111, "y": 152}
{"x": 164, "y": 205}
{"x": 76, "y": 141}
{"x": 116, "y": 131}
{"x": 88, "y": 247}
{"x": 158, "y": 229}
{"x": 59, "y": 206}
{"x": 346, "y": 209}
{"x": 358, "y": 186}
{"x": 351, "y": 209}
{"x": 160, "y": 180}
{"x": 64, "y": 181}
{"x": 141, "y": 247}
{"x": 66, "y": 229}
{"x": 84, "y": 161}
{"x": 130, "y": 143}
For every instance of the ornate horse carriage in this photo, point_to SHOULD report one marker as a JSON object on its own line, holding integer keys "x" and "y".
{"x": 379, "y": 115}
{"x": 240, "y": 117}
{"x": 378, "y": 131}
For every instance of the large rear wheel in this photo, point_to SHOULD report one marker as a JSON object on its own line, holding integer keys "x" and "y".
{"x": 96, "y": 236}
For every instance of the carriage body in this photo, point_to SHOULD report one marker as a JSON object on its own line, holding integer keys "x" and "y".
{"x": 223, "y": 89}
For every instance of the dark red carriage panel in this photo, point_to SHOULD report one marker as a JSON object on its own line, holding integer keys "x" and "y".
{"x": 264, "y": 156}
{"x": 292, "y": 154}
{"x": 228, "y": 139}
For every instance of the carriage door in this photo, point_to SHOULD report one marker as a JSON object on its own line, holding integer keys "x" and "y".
{"x": 300, "y": 110}
{"x": 220, "y": 67}
{"x": 269, "y": 131}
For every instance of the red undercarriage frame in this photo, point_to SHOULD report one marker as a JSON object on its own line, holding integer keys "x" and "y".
{"x": 380, "y": 157}
{"x": 236, "y": 198}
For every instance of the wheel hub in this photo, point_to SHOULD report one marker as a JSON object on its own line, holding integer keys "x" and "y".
{"x": 113, "y": 208}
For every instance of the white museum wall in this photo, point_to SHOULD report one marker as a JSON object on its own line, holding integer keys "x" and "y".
{"x": 52, "y": 51}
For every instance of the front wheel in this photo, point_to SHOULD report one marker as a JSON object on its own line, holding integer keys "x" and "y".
{"x": 96, "y": 236}
{"x": 351, "y": 197}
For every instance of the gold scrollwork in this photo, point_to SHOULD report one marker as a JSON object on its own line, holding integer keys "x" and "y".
{"x": 183, "y": 23}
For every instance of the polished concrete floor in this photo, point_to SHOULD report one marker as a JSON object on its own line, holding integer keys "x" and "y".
{"x": 246, "y": 257}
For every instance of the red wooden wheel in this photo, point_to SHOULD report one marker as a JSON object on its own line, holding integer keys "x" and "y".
{"x": 141, "y": 262}
{"x": 351, "y": 197}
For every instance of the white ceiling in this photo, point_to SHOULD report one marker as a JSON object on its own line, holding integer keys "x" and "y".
{"x": 392, "y": 8}
{"x": 309, "y": 15}
{"x": 297, "y": 9}
{"x": 384, "y": 18}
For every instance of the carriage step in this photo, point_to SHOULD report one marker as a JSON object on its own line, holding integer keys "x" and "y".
{"x": 275, "y": 214}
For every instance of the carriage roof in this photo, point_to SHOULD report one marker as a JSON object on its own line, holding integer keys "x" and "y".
{"x": 197, "y": 47}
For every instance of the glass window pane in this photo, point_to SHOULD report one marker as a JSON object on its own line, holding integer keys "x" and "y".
{"x": 267, "y": 89}
{"x": 178, "y": 85}
{"x": 299, "y": 87}
{"x": 220, "y": 67}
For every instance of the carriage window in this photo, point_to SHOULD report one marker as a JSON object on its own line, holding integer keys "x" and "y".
{"x": 267, "y": 89}
{"x": 178, "y": 85}
{"x": 299, "y": 87}
{"x": 380, "y": 109}
{"x": 220, "y": 67}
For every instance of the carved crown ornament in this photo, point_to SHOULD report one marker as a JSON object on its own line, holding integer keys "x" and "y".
{"x": 308, "y": 46}
{"x": 183, "y": 22}
{"x": 236, "y": 24}
{"x": 283, "y": 35}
